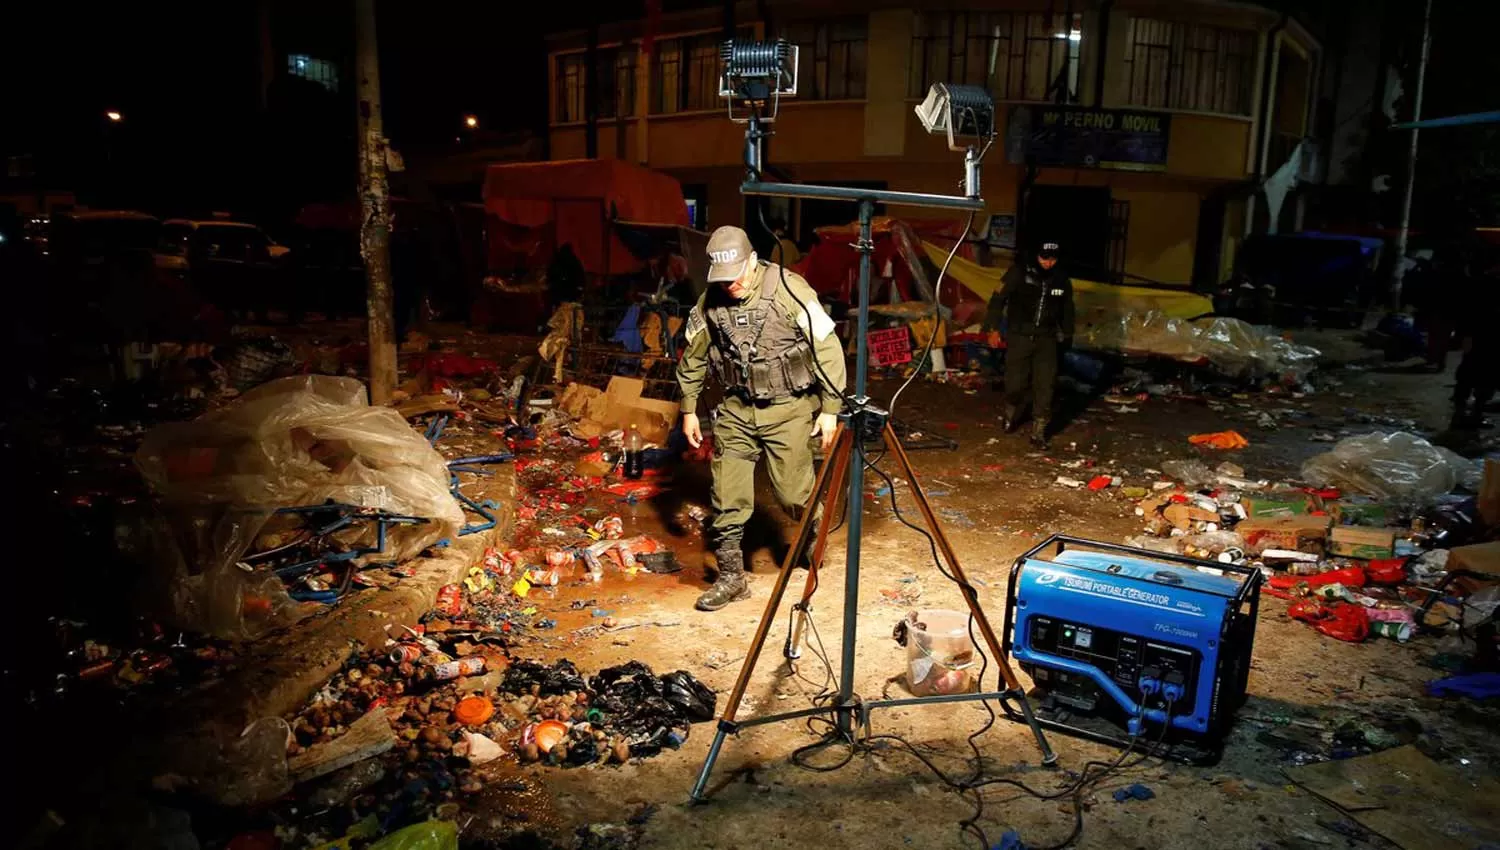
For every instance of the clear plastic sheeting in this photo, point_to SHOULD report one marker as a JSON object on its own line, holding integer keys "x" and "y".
{"x": 1231, "y": 347}
{"x": 293, "y": 442}
{"x": 1400, "y": 467}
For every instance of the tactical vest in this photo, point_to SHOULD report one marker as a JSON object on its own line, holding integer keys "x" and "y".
{"x": 756, "y": 350}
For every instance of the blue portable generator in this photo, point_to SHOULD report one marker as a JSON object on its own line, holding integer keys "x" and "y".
{"x": 1117, "y": 637}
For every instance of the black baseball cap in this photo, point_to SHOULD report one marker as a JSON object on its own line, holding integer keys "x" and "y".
{"x": 1047, "y": 250}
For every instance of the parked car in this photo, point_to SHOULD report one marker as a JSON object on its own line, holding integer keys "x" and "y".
{"x": 231, "y": 263}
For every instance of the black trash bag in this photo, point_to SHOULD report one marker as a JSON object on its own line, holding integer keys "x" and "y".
{"x": 559, "y": 678}
{"x": 649, "y": 743}
{"x": 582, "y": 751}
{"x": 693, "y": 700}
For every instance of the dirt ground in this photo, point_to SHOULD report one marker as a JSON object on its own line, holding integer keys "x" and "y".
{"x": 997, "y": 498}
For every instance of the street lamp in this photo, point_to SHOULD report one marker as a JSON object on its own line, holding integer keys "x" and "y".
{"x": 114, "y": 115}
{"x": 471, "y": 121}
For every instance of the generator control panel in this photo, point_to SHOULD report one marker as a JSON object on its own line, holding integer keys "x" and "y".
{"x": 1121, "y": 657}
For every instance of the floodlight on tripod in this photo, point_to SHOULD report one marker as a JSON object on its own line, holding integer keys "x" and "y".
{"x": 961, "y": 112}
{"x": 756, "y": 73}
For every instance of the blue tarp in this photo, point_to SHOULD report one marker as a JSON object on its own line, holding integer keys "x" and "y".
{"x": 1451, "y": 121}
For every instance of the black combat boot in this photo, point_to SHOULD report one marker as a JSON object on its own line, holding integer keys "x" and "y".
{"x": 1039, "y": 433}
{"x": 730, "y": 585}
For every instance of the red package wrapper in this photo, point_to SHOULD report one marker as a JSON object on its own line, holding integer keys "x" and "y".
{"x": 1344, "y": 622}
{"x": 1348, "y": 577}
{"x": 1099, "y": 482}
{"x": 1386, "y": 571}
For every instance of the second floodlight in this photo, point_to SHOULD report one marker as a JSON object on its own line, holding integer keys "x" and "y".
{"x": 959, "y": 112}
{"x": 757, "y": 73}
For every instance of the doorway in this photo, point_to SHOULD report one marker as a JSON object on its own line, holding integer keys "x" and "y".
{"x": 1080, "y": 219}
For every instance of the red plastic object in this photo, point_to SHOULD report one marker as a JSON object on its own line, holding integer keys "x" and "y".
{"x": 1099, "y": 482}
{"x": 1344, "y": 622}
{"x": 1386, "y": 571}
{"x": 1348, "y": 577}
{"x": 1324, "y": 493}
{"x": 450, "y": 600}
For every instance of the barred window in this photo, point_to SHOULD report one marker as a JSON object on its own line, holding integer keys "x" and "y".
{"x": 570, "y": 70}
{"x": 1017, "y": 55}
{"x": 685, "y": 72}
{"x": 1179, "y": 65}
{"x": 832, "y": 57}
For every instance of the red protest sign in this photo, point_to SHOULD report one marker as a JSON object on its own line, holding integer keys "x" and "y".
{"x": 889, "y": 347}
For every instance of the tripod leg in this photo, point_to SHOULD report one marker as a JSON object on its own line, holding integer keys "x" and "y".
{"x": 838, "y": 458}
{"x": 971, "y": 596}
{"x": 843, "y": 445}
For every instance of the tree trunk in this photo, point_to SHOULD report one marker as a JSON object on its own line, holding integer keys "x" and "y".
{"x": 375, "y": 209}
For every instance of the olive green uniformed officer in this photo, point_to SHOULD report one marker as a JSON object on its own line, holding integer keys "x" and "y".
{"x": 760, "y": 331}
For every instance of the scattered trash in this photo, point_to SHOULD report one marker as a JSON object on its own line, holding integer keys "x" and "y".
{"x": 1134, "y": 792}
{"x": 1399, "y": 467}
{"x": 1220, "y": 440}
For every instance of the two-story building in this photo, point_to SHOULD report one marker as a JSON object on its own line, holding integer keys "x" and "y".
{"x": 1204, "y": 100}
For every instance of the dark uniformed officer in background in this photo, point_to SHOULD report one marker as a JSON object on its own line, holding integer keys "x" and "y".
{"x": 1035, "y": 300}
{"x": 760, "y": 330}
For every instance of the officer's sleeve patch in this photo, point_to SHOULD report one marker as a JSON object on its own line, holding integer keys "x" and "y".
{"x": 822, "y": 325}
{"x": 696, "y": 324}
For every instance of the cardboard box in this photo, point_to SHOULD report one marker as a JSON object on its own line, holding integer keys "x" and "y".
{"x": 1305, "y": 533}
{"x": 1360, "y": 514}
{"x": 1479, "y": 558}
{"x": 1353, "y": 541}
{"x": 1287, "y": 504}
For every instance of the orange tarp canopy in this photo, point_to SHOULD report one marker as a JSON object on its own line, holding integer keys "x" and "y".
{"x": 580, "y": 199}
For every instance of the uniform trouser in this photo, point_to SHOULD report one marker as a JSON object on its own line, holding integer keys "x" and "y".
{"x": 1031, "y": 374}
{"x": 743, "y": 431}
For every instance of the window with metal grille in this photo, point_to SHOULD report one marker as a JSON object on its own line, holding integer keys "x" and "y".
{"x": 1180, "y": 65}
{"x": 1017, "y": 55}
{"x": 570, "y": 77}
{"x": 320, "y": 71}
{"x": 831, "y": 57}
{"x": 616, "y": 71}
{"x": 685, "y": 72}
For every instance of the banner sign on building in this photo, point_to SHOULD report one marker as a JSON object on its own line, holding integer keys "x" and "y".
{"x": 1085, "y": 137}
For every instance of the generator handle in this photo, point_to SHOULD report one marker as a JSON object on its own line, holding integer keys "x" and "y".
{"x": 1248, "y": 590}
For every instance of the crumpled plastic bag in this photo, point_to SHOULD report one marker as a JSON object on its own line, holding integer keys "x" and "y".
{"x": 292, "y": 442}
{"x": 1397, "y": 467}
{"x": 1232, "y": 347}
{"x": 1345, "y": 622}
{"x": 1189, "y": 472}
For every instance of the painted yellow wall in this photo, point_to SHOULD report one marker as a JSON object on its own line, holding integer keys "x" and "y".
{"x": 1162, "y": 234}
{"x": 1208, "y": 146}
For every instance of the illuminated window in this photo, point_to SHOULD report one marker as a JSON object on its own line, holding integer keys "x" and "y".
{"x": 832, "y": 58}
{"x": 1177, "y": 65}
{"x": 320, "y": 71}
{"x": 1017, "y": 55}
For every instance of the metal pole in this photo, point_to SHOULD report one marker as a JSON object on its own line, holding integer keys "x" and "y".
{"x": 1398, "y": 269}
{"x": 375, "y": 209}
{"x": 855, "y": 501}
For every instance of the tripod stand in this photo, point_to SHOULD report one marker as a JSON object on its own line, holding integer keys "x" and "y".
{"x": 862, "y": 421}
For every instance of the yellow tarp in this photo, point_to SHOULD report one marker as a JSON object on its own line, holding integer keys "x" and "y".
{"x": 1090, "y": 297}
